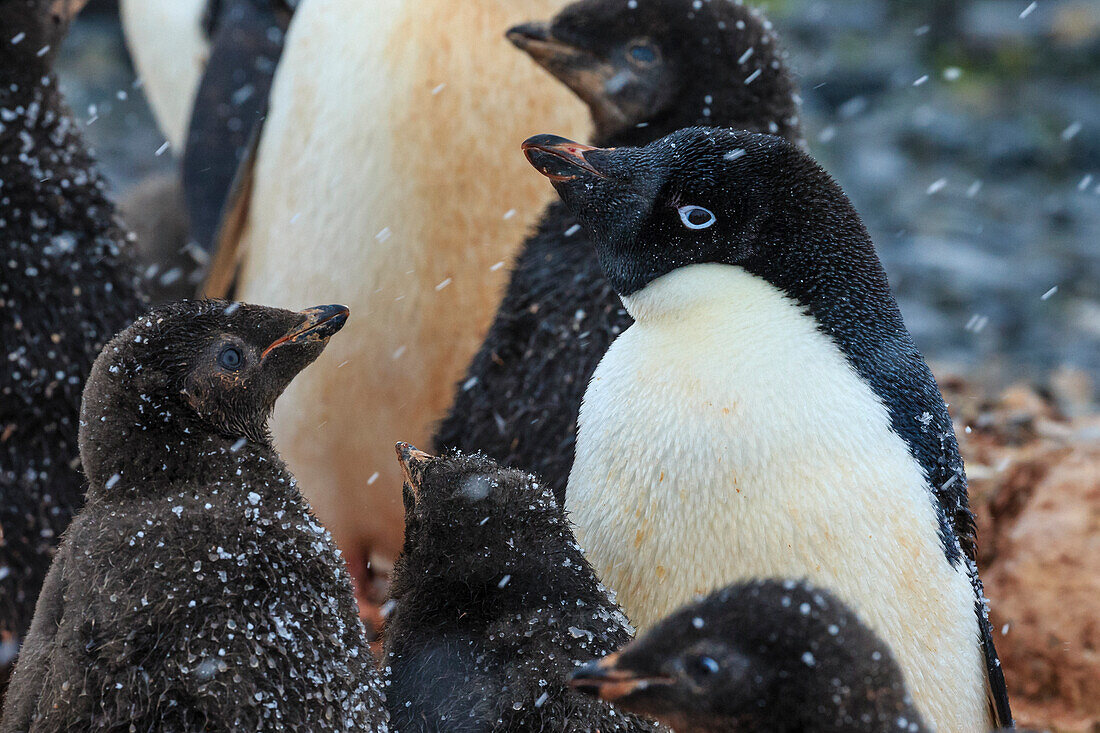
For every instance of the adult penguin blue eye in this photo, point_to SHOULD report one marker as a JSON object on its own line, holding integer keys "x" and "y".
{"x": 767, "y": 413}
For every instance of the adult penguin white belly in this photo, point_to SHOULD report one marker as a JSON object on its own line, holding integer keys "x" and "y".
{"x": 169, "y": 50}
{"x": 381, "y": 182}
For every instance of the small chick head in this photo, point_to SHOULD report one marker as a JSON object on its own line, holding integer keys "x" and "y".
{"x": 202, "y": 367}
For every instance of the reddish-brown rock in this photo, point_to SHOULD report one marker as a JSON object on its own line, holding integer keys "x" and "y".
{"x": 1035, "y": 487}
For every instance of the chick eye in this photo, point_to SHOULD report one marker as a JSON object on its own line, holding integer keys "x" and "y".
{"x": 642, "y": 53}
{"x": 696, "y": 217}
{"x": 230, "y": 358}
{"x": 703, "y": 666}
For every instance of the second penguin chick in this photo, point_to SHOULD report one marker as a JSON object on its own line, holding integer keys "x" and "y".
{"x": 493, "y": 606}
{"x": 767, "y": 655}
{"x": 196, "y": 591}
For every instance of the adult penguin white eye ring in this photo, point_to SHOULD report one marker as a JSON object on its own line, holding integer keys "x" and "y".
{"x": 768, "y": 414}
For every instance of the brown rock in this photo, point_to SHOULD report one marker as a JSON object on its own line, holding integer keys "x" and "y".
{"x": 1035, "y": 488}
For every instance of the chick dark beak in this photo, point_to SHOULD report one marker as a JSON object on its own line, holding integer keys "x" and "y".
{"x": 596, "y": 80}
{"x": 320, "y": 322}
{"x": 560, "y": 58}
{"x": 575, "y": 66}
{"x": 412, "y": 463}
{"x": 559, "y": 159}
{"x": 603, "y": 679}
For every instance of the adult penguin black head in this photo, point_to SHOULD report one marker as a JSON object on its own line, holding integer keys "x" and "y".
{"x": 701, "y": 195}
{"x": 201, "y": 368}
{"x": 33, "y": 31}
{"x": 764, "y": 655}
{"x": 668, "y": 64}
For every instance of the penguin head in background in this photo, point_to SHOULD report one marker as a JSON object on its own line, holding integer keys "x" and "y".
{"x": 466, "y": 514}
{"x": 200, "y": 368}
{"x": 697, "y": 196}
{"x": 666, "y": 64}
{"x": 33, "y": 29}
{"x": 764, "y": 655}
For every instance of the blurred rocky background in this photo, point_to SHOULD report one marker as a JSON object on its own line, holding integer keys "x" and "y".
{"x": 967, "y": 132}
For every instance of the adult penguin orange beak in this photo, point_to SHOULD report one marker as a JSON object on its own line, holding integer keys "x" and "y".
{"x": 558, "y": 158}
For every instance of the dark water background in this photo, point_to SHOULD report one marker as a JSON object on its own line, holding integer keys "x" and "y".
{"x": 967, "y": 132}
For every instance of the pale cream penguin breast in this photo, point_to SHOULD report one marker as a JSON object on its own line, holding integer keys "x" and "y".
{"x": 723, "y": 437}
{"x": 389, "y": 178}
{"x": 170, "y": 50}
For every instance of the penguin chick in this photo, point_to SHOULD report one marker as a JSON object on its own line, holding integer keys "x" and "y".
{"x": 67, "y": 285}
{"x": 766, "y": 655}
{"x": 768, "y": 415}
{"x": 196, "y": 591}
{"x": 644, "y": 72}
{"x": 493, "y": 604}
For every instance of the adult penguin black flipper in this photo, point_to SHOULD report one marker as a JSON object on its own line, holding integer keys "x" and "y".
{"x": 246, "y": 38}
{"x": 996, "y": 687}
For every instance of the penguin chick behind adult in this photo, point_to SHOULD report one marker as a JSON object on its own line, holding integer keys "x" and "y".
{"x": 644, "y": 72}
{"x": 768, "y": 415}
{"x": 493, "y": 604}
{"x": 67, "y": 285}
{"x": 196, "y": 591}
{"x": 766, "y": 655}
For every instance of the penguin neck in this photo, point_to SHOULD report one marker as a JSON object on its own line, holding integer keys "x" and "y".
{"x": 138, "y": 444}
{"x": 780, "y": 117}
{"x": 445, "y": 588}
{"x": 147, "y": 461}
{"x": 686, "y": 293}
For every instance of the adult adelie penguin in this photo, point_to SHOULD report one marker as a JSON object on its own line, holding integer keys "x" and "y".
{"x": 67, "y": 285}
{"x": 353, "y": 198}
{"x": 644, "y": 72}
{"x": 196, "y": 591}
{"x": 768, "y": 415}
